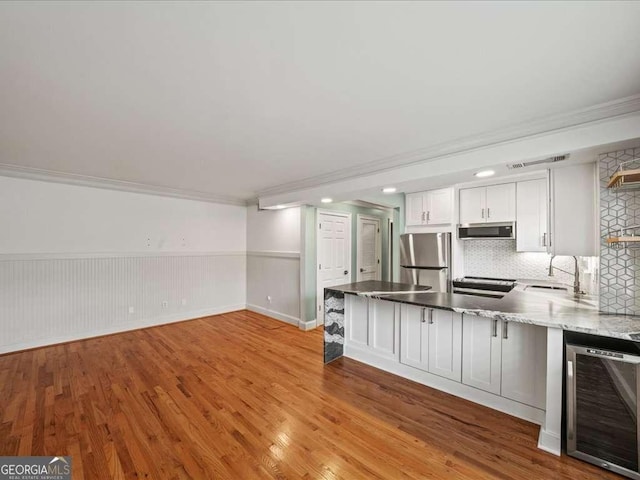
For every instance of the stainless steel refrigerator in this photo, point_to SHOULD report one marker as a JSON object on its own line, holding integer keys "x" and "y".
{"x": 425, "y": 259}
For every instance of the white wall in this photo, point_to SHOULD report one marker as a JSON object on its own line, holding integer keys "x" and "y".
{"x": 273, "y": 263}
{"x": 42, "y": 217}
{"x": 273, "y": 230}
{"x": 74, "y": 261}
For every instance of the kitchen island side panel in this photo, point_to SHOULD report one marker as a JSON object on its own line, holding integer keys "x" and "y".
{"x": 333, "y": 325}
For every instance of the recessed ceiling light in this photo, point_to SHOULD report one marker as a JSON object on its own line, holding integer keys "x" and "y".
{"x": 327, "y": 200}
{"x": 484, "y": 173}
{"x": 389, "y": 190}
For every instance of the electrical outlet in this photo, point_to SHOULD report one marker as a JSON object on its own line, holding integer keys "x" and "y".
{"x": 184, "y": 302}
{"x": 131, "y": 310}
{"x": 165, "y": 304}
{"x": 269, "y": 298}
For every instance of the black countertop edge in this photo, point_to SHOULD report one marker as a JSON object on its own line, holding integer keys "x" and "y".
{"x": 377, "y": 286}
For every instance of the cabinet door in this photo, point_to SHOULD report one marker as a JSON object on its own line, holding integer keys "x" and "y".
{"x": 439, "y": 204}
{"x": 481, "y": 353}
{"x": 357, "y": 320}
{"x": 445, "y": 344}
{"x": 524, "y": 363}
{"x": 501, "y": 203}
{"x": 383, "y": 331}
{"x": 573, "y": 209}
{"x": 414, "y": 337}
{"x": 531, "y": 216}
{"x": 472, "y": 205}
{"x": 415, "y": 209}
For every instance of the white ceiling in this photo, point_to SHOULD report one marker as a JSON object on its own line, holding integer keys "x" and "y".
{"x": 235, "y": 98}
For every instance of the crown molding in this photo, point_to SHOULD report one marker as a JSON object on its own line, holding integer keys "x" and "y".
{"x": 365, "y": 204}
{"x": 30, "y": 173}
{"x": 554, "y": 123}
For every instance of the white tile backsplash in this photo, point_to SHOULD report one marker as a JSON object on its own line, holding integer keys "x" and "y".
{"x": 499, "y": 258}
{"x": 620, "y": 267}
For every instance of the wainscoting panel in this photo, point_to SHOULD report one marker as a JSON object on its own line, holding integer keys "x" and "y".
{"x": 275, "y": 275}
{"x": 46, "y": 301}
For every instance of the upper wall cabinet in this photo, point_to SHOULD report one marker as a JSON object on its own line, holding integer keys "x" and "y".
{"x": 531, "y": 216}
{"x": 495, "y": 203}
{"x": 573, "y": 211}
{"x": 434, "y": 207}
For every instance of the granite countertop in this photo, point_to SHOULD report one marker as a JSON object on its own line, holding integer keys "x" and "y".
{"x": 554, "y": 310}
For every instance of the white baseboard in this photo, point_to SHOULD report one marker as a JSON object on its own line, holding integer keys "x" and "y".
{"x": 309, "y": 325}
{"x": 458, "y": 389}
{"x": 283, "y": 317}
{"x": 550, "y": 442}
{"x": 123, "y": 327}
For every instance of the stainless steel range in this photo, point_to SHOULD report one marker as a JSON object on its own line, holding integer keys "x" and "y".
{"x": 483, "y": 286}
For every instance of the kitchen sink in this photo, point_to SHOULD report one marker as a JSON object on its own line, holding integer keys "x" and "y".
{"x": 547, "y": 288}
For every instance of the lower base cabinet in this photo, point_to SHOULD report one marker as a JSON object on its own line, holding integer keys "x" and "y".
{"x": 431, "y": 340}
{"x": 524, "y": 363}
{"x": 505, "y": 358}
{"x": 373, "y": 325}
{"x": 482, "y": 353}
{"x": 497, "y": 356}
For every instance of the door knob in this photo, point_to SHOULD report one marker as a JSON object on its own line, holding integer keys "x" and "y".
{"x": 346, "y": 272}
{"x": 361, "y": 270}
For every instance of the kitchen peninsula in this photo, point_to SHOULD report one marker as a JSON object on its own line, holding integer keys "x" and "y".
{"x": 503, "y": 353}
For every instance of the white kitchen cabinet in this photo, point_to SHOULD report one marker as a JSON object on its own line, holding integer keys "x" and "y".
{"x": 481, "y": 353}
{"x": 505, "y": 358}
{"x": 357, "y": 320}
{"x": 472, "y": 205}
{"x": 531, "y": 216}
{"x": 434, "y": 207}
{"x": 573, "y": 211}
{"x": 439, "y": 206}
{"x": 494, "y": 203}
{"x": 501, "y": 203}
{"x": 445, "y": 343}
{"x": 524, "y": 363}
{"x": 383, "y": 331}
{"x": 373, "y": 325}
{"x": 432, "y": 340}
{"x": 414, "y": 209}
{"x": 414, "y": 335}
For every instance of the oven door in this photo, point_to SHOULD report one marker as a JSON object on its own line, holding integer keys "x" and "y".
{"x": 602, "y": 408}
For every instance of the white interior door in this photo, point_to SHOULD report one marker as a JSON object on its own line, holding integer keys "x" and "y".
{"x": 368, "y": 246}
{"x": 333, "y": 254}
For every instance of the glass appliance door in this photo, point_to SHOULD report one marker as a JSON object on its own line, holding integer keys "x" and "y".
{"x": 602, "y": 408}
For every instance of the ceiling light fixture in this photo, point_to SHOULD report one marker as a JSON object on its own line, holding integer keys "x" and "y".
{"x": 484, "y": 173}
{"x": 327, "y": 200}
{"x": 389, "y": 190}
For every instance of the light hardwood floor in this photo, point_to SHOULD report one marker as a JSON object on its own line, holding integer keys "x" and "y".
{"x": 242, "y": 396}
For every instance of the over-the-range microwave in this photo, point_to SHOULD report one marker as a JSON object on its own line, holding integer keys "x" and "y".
{"x": 475, "y": 231}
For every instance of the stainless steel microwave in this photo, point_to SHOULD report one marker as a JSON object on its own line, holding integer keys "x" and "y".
{"x": 487, "y": 231}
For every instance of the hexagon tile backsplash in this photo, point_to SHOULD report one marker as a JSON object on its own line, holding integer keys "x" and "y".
{"x": 498, "y": 258}
{"x": 619, "y": 268}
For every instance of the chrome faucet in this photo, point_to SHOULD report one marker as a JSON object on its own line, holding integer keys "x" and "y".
{"x": 576, "y": 274}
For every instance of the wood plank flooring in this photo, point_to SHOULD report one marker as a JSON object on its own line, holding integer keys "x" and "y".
{"x": 242, "y": 396}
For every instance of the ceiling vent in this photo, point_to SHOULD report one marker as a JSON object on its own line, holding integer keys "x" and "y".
{"x": 558, "y": 158}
